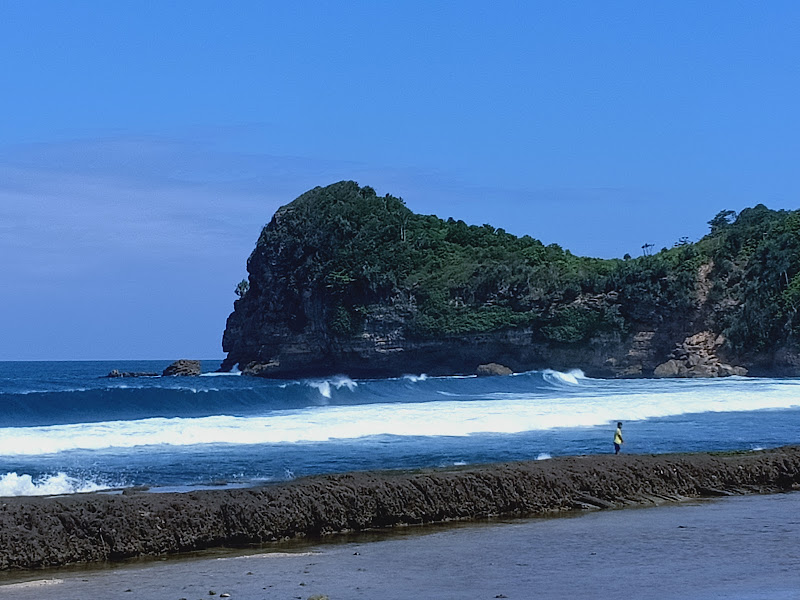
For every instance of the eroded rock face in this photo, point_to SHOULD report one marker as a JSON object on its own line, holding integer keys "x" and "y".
{"x": 389, "y": 354}
{"x": 183, "y": 367}
{"x": 697, "y": 356}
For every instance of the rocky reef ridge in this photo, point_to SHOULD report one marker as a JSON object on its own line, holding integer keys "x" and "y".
{"x": 54, "y": 531}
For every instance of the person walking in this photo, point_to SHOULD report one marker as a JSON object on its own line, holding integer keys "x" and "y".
{"x": 618, "y": 441}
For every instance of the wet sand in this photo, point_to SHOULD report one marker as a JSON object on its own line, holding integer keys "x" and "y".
{"x": 741, "y": 548}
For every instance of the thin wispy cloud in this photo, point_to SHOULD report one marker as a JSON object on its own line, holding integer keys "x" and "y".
{"x": 130, "y": 231}
{"x": 72, "y": 208}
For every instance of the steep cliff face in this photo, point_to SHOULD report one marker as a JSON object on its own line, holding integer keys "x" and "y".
{"x": 344, "y": 281}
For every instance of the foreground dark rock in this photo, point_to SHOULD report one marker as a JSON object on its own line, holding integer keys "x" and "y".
{"x": 183, "y": 367}
{"x": 44, "y": 532}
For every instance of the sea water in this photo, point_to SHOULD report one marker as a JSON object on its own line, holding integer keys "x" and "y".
{"x": 65, "y": 427}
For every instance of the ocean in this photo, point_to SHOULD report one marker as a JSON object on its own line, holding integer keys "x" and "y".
{"x": 66, "y": 428}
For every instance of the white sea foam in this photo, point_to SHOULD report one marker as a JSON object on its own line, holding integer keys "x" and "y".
{"x": 12, "y": 484}
{"x": 324, "y": 386}
{"x": 593, "y": 404}
{"x": 221, "y": 374}
{"x": 415, "y": 378}
{"x": 543, "y": 456}
{"x": 25, "y": 585}
{"x": 38, "y": 391}
{"x": 570, "y": 377}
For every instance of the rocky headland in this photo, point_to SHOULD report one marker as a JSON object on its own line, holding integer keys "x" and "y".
{"x": 83, "y": 528}
{"x": 345, "y": 281}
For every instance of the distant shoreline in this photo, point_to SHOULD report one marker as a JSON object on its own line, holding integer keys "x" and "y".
{"x": 111, "y": 364}
{"x": 96, "y": 527}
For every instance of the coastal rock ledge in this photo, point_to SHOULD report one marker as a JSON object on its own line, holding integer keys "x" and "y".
{"x": 53, "y": 531}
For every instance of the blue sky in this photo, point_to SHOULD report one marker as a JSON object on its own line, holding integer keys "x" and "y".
{"x": 143, "y": 145}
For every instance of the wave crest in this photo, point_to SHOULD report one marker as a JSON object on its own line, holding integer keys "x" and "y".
{"x": 416, "y": 378}
{"x": 571, "y": 377}
{"x": 324, "y": 386}
{"x": 13, "y": 484}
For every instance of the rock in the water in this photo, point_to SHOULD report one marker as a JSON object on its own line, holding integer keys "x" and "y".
{"x": 727, "y": 370}
{"x": 671, "y": 368}
{"x": 118, "y": 373}
{"x": 492, "y": 369}
{"x": 183, "y": 367}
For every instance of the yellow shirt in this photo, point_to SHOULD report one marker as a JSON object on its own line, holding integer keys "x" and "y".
{"x": 618, "y": 436}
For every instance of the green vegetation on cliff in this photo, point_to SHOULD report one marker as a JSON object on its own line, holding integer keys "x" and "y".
{"x": 345, "y": 259}
{"x": 756, "y": 276}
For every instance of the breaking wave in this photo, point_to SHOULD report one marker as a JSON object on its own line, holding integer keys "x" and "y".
{"x": 12, "y": 484}
{"x": 418, "y": 414}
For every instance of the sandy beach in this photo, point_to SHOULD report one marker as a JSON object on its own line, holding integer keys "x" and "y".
{"x": 742, "y": 548}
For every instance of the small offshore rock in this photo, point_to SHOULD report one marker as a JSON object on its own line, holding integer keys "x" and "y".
{"x": 118, "y": 373}
{"x": 492, "y": 369}
{"x": 183, "y": 367}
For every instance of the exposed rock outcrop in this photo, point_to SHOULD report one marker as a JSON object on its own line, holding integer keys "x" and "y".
{"x": 183, "y": 367}
{"x": 490, "y": 369}
{"x": 48, "y": 532}
{"x": 697, "y": 356}
{"x": 117, "y": 373}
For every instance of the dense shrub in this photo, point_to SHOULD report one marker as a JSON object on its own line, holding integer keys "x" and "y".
{"x": 352, "y": 251}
